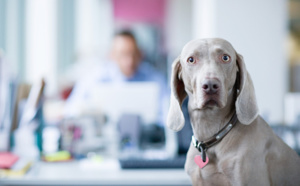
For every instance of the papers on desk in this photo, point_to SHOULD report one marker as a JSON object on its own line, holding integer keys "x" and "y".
{"x": 7, "y": 160}
{"x": 13, "y": 166}
{"x": 32, "y": 103}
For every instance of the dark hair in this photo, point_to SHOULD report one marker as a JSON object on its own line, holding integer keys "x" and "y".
{"x": 126, "y": 33}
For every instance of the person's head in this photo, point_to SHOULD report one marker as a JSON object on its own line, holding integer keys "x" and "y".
{"x": 125, "y": 53}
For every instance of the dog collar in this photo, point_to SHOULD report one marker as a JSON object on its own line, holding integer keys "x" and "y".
{"x": 202, "y": 146}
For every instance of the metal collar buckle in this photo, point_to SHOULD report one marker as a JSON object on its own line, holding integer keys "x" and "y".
{"x": 201, "y": 148}
{"x": 204, "y": 145}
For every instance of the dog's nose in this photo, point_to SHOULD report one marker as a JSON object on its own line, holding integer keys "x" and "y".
{"x": 211, "y": 86}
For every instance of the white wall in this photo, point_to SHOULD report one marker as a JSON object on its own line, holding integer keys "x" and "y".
{"x": 93, "y": 30}
{"x": 94, "y": 26}
{"x": 12, "y": 34}
{"x": 178, "y": 25}
{"x": 41, "y": 43}
{"x": 258, "y": 30}
{"x": 179, "y": 28}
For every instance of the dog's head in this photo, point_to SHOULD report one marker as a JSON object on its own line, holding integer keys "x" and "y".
{"x": 208, "y": 71}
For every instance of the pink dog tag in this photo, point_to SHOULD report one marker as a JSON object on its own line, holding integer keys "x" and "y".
{"x": 198, "y": 160}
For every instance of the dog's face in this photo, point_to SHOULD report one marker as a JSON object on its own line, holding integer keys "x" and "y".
{"x": 208, "y": 72}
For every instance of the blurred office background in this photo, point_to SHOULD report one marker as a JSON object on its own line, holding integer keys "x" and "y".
{"x": 59, "y": 40}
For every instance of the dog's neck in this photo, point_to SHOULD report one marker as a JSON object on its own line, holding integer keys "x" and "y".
{"x": 207, "y": 122}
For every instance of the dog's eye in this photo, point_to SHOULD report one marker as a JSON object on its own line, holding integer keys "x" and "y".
{"x": 191, "y": 60}
{"x": 225, "y": 58}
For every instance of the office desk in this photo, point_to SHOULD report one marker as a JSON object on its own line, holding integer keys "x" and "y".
{"x": 70, "y": 173}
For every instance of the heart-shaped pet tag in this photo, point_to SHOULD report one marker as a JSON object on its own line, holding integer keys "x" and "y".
{"x": 198, "y": 160}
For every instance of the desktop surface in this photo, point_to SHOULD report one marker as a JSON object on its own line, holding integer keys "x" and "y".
{"x": 71, "y": 173}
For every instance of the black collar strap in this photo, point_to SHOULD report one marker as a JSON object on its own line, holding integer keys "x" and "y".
{"x": 204, "y": 145}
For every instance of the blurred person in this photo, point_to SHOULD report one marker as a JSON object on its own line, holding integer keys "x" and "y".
{"x": 126, "y": 54}
{"x": 125, "y": 65}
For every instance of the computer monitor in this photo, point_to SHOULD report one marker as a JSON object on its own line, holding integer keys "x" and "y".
{"x": 140, "y": 98}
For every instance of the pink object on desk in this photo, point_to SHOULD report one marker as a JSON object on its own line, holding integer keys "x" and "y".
{"x": 7, "y": 160}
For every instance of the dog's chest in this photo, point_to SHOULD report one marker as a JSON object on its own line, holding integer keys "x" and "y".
{"x": 214, "y": 173}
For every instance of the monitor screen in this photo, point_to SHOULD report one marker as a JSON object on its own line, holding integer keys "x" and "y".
{"x": 141, "y": 98}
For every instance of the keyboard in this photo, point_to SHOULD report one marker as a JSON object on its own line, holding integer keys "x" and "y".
{"x": 139, "y": 163}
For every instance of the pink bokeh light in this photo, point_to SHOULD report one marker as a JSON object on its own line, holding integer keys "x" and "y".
{"x": 152, "y": 11}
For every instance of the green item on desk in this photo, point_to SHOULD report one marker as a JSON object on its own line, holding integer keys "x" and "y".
{"x": 97, "y": 159}
{"x": 58, "y": 156}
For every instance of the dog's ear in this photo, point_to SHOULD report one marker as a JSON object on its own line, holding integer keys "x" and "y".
{"x": 246, "y": 106}
{"x": 175, "y": 120}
